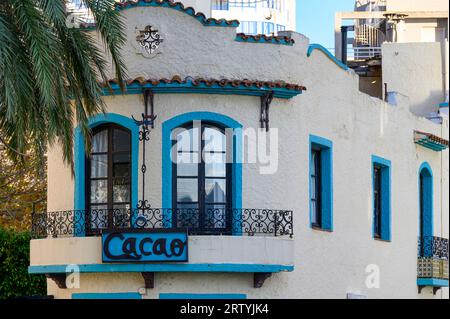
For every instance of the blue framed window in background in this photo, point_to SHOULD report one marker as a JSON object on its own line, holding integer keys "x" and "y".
{"x": 248, "y": 27}
{"x": 381, "y": 197}
{"x": 321, "y": 182}
{"x": 220, "y": 5}
{"x": 243, "y": 3}
{"x": 268, "y": 27}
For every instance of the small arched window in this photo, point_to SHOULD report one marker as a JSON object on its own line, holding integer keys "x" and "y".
{"x": 201, "y": 187}
{"x": 426, "y": 207}
{"x": 108, "y": 180}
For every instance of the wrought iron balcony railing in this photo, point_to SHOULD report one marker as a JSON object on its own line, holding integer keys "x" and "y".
{"x": 433, "y": 247}
{"x": 250, "y": 222}
{"x": 432, "y": 261}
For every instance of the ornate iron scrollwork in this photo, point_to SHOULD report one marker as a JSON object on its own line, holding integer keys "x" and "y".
{"x": 245, "y": 221}
{"x": 149, "y": 39}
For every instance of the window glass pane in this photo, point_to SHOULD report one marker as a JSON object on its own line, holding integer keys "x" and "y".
{"x": 215, "y": 164}
{"x": 99, "y": 166}
{"x": 121, "y": 140}
{"x": 99, "y": 191}
{"x": 313, "y": 188}
{"x": 187, "y": 164}
{"x": 121, "y": 190}
{"x": 313, "y": 160}
{"x": 215, "y": 190}
{"x": 314, "y": 216}
{"x": 187, "y": 190}
{"x": 187, "y": 140}
{"x": 214, "y": 140}
{"x": 100, "y": 142}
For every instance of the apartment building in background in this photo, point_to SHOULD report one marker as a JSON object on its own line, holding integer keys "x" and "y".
{"x": 387, "y": 41}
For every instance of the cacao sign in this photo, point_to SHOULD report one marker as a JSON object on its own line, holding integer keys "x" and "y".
{"x": 144, "y": 246}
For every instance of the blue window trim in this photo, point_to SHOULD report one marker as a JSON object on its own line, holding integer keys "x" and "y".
{"x": 183, "y": 296}
{"x": 386, "y": 188}
{"x": 220, "y": 119}
{"x": 429, "y": 199}
{"x": 80, "y": 160}
{"x": 166, "y": 267}
{"x": 326, "y": 147}
{"x": 109, "y": 295}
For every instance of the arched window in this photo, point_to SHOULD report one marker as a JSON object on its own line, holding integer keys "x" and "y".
{"x": 201, "y": 172}
{"x": 426, "y": 208}
{"x": 108, "y": 177}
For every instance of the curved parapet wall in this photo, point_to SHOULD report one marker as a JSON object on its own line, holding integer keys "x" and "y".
{"x": 319, "y": 47}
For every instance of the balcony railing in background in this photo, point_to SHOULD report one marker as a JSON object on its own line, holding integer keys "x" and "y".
{"x": 363, "y": 53}
{"x": 250, "y": 222}
{"x": 432, "y": 258}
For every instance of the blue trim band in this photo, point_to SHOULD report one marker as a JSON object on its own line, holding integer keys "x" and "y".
{"x": 101, "y": 268}
{"x": 208, "y": 22}
{"x": 428, "y": 198}
{"x": 80, "y": 163}
{"x": 182, "y": 296}
{"x": 316, "y": 46}
{"x": 112, "y": 295}
{"x": 217, "y": 118}
{"x": 432, "y": 282}
{"x": 445, "y": 104}
{"x": 189, "y": 87}
{"x": 386, "y": 188}
{"x": 326, "y": 165}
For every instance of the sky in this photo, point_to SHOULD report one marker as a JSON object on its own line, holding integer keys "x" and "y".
{"x": 315, "y": 19}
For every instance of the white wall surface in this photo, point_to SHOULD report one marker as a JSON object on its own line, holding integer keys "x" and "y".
{"x": 417, "y": 71}
{"x": 417, "y": 5}
{"x": 328, "y": 265}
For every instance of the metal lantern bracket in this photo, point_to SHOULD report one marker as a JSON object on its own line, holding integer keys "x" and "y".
{"x": 266, "y": 100}
{"x": 147, "y": 122}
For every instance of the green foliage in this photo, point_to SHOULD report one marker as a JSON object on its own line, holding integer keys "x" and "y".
{"x": 14, "y": 260}
{"x": 51, "y": 72}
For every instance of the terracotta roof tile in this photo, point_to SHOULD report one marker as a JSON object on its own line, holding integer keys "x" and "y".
{"x": 210, "y": 82}
{"x": 265, "y": 38}
{"x": 433, "y": 138}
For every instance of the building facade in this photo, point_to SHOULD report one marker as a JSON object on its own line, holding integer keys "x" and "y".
{"x": 268, "y": 177}
{"x": 257, "y": 16}
{"x": 412, "y": 35}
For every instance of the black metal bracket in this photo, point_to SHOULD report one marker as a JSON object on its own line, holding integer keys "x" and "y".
{"x": 147, "y": 122}
{"x": 59, "y": 279}
{"x": 435, "y": 289}
{"x": 259, "y": 278}
{"x": 266, "y": 99}
{"x": 149, "y": 279}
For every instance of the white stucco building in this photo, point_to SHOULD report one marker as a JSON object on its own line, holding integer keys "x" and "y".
{"x": 334, "y": 207}
{"x": 410, "y": 35}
